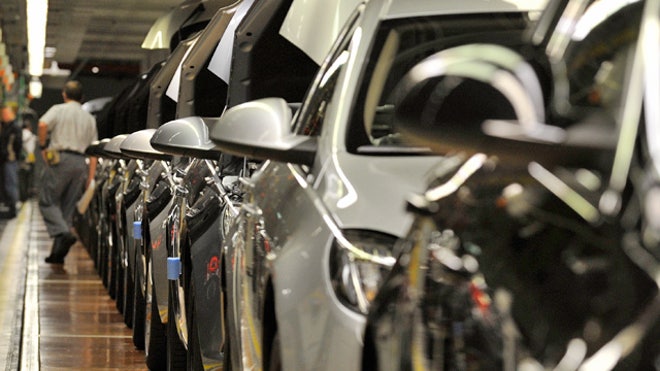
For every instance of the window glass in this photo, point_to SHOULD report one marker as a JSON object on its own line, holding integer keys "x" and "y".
{"x": 595, "y": 62}
{"x": 399, "y": 46}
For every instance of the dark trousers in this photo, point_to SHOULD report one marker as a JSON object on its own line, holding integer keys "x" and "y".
{"x": 25, "y": 182}
{"x": 61, "y": 187}
{"x": 10, "y": 179}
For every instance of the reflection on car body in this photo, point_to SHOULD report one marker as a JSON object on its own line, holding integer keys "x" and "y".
{"x": 310, "y": 246}
{"x": 535, "y": 252}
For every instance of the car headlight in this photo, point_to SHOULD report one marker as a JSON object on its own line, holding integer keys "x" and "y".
{"x": 359, "y": 262}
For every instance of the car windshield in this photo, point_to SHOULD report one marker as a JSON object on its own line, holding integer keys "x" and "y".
{"x": 401, "y": 44}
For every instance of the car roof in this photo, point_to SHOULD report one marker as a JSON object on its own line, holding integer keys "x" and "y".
{"x": 393, "y": 9}
{"x": 313, "y": 26}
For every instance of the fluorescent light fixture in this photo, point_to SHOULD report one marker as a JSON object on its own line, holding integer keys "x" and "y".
{"x": 50, "y": 51}
{"x": 37, "y": 18}
{"x": 55, "y": 70}
{"x": 35, "y": 87}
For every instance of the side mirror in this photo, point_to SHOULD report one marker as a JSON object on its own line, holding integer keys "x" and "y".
{"x": 137, "y": 145}
{"x": 112, "y": 150}
{"x": 261, "y": 129}
{"x": 485, "y": 98}
{"x": 96, "y": 148}
{"x": 187, "y": 137}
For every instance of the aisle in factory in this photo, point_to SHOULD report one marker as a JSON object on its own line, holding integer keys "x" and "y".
{"x": 67, "y": 321}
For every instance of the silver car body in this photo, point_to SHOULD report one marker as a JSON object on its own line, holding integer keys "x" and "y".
{"x": 189, "y": 137}
{"x": 279, "y": 249}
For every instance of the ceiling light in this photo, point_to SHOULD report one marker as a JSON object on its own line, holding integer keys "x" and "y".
{"x": 55, "y": 70}
{"x": 37, "y": 17}
{"x": 35, "y": 87}
{"x": 50, "y": 51}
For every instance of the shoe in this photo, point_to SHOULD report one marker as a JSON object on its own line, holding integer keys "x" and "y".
{"x": 62, "y": 244}
{"x": 67, "y": 240}
{"x": 54, "y": 260}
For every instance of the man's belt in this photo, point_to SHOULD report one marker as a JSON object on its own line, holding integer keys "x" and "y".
{"x": 71, "y": 152}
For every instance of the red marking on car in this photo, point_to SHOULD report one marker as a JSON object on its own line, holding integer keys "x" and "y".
{"x": 213, "y": 265}
{"x": 173, "y": 231}
{"x": 156, "y": 244}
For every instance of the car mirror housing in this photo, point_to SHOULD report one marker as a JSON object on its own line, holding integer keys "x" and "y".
{"x": 96, "y": 148}
{"x": 468, "y": 99}
{"x": 111, "y": 149}
{"x": 188, "y": 136}
{"x": 137, "y": 145}
{"x": 261, "y": 129}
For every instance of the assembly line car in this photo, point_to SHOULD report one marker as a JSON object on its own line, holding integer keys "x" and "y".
{"x": 86, "y": 221}
{"x": 194, "y": 291}
{"x": 247, "y": 230}
{"x": 108, "y": 246}
{"x": 150, "y": 165}
{"x": 539, "y": 248}
{"x": 318, "y": 221}
{"x": 193, "y": 88}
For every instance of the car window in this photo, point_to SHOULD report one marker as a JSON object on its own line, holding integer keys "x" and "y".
{"x": 399, "y": 45}
{"x": 596, "y": 59}
{"x": 309, "y": 119}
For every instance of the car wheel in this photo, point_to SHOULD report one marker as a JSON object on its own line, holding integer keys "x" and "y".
{"x": 176, "y": 352}
{"x": 155, "y": 336}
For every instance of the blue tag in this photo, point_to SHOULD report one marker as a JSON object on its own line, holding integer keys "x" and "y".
{"x": 173, "y": 268}
{"x": 137, "y": 230}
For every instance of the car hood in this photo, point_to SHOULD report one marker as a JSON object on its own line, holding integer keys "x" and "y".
{"x": 370, "y": 192}
{"x": 417, "y": 8}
